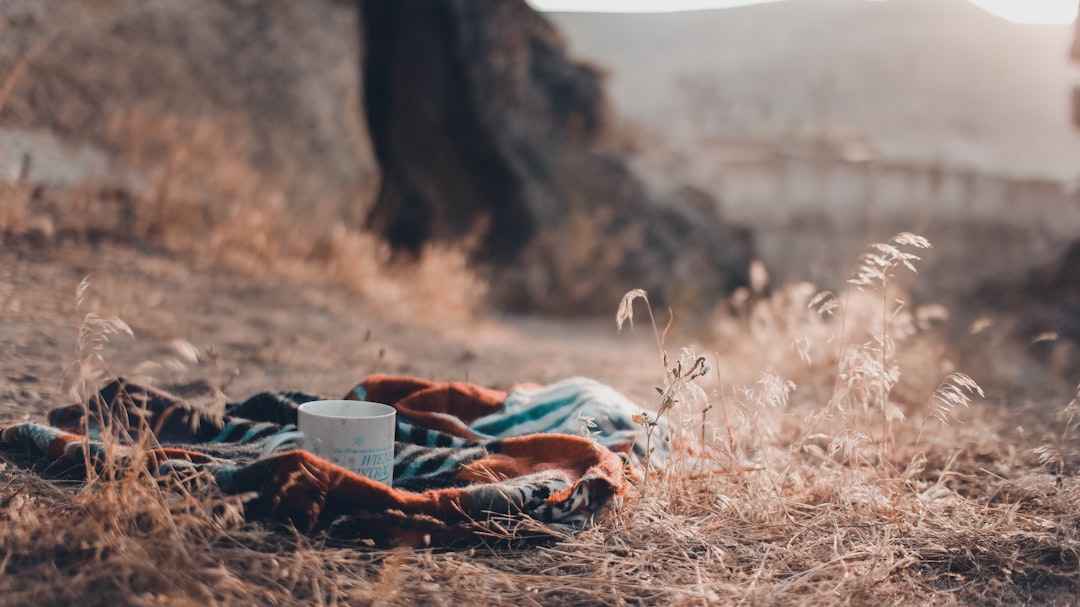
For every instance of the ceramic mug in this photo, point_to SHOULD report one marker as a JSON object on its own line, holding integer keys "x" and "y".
{"x": 354, "y": 434}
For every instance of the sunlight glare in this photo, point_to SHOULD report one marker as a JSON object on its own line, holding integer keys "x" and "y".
{"x": 638, "y": 6}
{"x": 1018, "y": 11}
{"x": 1031, "y": 11}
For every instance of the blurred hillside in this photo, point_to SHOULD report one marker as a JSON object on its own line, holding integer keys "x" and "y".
{"x": 931, "y": 81}
{"x": 827, "y": 124}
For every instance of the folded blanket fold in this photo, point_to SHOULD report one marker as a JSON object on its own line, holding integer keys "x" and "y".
{"x": 466, "y": 456}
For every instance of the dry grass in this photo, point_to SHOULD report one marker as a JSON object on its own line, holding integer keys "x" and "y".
{"x": 834, "y": 455}
{"x": 191, "y": 190}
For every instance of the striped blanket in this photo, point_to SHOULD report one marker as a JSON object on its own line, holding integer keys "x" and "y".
{"x": 468, "y": 459}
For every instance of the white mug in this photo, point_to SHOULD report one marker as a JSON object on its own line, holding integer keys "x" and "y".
{"x": 354, "y": 434}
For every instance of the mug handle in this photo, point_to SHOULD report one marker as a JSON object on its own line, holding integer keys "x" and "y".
{"x": 276, "y": 441}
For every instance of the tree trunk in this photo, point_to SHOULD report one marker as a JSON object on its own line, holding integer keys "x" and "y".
{"x": 486, "y": 132}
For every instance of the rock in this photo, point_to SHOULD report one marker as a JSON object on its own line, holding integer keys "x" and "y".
{"x": 275, "y": 79}
{"x": 1040, "y": 310}
{"x": 485, "y": 129}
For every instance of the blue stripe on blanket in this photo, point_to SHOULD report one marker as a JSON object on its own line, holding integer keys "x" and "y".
{"x": 528, "y": 414}
{"x": 257, "y": 431}
{"x": 408, "y": 432}
{"x": 224, "y": 434}
{"x": 566, "y": 407}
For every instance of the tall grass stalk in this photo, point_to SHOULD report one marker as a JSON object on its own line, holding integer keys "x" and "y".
{"x": 678, "y": 377}
{"x": 876, "y": 269}
{"x": 1051, "y": 454}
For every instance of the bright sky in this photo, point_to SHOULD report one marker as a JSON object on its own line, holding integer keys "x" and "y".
{"x": 1020, "y": 11}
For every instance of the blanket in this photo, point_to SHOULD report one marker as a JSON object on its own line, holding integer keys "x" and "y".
{"x": 468, "y": 459}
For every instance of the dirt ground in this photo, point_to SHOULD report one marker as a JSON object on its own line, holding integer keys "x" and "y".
{"x": 968, "y": 513}
{"x": 255, "y": 333}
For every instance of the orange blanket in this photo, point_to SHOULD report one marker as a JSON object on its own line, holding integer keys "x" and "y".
{"x": 468, "y": 460}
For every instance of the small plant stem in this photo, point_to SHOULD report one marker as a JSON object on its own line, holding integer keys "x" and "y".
{"x": 884, "y": 386}
{"x": 723, "y": 409}
{"x": 1068, "y": 424}
{"x": 648, "y": 457}
{"x": 703, "y": 413}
